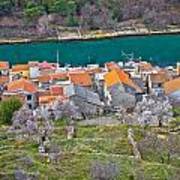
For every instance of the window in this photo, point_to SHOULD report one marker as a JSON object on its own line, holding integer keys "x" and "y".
{"x": 29, "y": 97}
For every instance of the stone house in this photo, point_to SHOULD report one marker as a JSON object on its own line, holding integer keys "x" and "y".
{"x": 119, "y": 89}
{"x": 48, "y": 97}
{"x": 24, "y": 89}
{"x": 81, "y": 78}
{"x": 156, "y": 81}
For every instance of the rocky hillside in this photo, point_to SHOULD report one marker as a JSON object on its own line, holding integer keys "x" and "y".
{"x": 42, "y": 18}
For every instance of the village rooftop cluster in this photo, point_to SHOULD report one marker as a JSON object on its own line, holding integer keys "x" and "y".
{"x": 92, "y": 90}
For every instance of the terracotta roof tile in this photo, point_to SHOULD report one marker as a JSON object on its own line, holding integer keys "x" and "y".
{"x": 50, "y": 99}
{"x": 59, "y": 76}
{"x": 4, "y": 65}
{"x": 111, "y": 66}
{"x": 112, "y": 78}
{"x": 44, "y": 78}
{"x": 56, "y": 90}
{"x": 56, "y": 76}
{"x": 46, "y": 65}
{"x": 22, "y": 85}
{"x": 172, "y": 86}
{"x": 20, "y": 67}
{"x": 46, "y": 99}
{"x": 81, "y": 78}
{"x": 119, "y": 76}
{"x": 33, "y": 63}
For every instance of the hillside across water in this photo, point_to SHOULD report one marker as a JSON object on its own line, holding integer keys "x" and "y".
{"x": 47, "y": 18}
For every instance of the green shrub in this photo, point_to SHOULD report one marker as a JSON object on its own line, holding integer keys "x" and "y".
{"x": 7, "y": 108}
{"x": 33, "y": 10}
{"x": 176, "y": 112}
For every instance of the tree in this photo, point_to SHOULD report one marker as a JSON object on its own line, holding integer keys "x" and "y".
{"x": 174, "y": 145}
{"x": 33, "y": 10}
{"x": 7, "y": 108}
{"x": 176, "y": 112}
{"x": 5, "y": 7}
{"x": 71, "y": 10}
{"x": 24, "y": 121}
{"x": 153, "y": 148}
{"x": 63, "y": 7}
{"x": 29, "y": 123}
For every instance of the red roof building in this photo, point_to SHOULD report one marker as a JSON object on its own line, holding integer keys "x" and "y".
{"x": 80, "y": 78}
{"x": 21, "y": 85}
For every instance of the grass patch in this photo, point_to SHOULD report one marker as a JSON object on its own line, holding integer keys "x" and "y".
{"x": 93, "y": 143}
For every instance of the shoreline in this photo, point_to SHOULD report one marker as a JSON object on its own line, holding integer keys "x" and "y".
{"x": 90, "y": 36}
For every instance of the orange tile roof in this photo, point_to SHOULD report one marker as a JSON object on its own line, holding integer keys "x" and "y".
{"x": 172, "y": 86}
{"x": 33, "y": 63}
{"x": 20, "y": 67}
{"x": 111, "y": 66}
{"x": 119, "y": 76}
{"x": 46, "y": 99}
{"x": 74, "y": 70}
{"x": 55, "y": 76}
{"x": 46, "y": 65}
{"x": 112, "y": 78}
{"x": 22, "y": 85}
{"x": 4, "y": 65}
{"x": 56, "y": 90}
{"x": 80, "y": 78}
{"x": 44, "y": 78}
{"x": 59, "y": 76}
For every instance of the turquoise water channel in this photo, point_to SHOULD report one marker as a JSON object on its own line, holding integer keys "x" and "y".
{"x": 159, "y": 49}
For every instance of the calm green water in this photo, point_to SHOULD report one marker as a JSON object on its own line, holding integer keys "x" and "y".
{"x": 161, "y": 49}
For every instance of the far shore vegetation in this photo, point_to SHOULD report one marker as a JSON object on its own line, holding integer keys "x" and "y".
{"x": 73, "y": 18}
